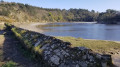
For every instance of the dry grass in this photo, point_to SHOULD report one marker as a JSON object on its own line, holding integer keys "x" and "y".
{"x": 1, "y": 45}
{"x": 96, "y": 45}
{"x": 1, "y": 49}
{"x": 1, "y": 26}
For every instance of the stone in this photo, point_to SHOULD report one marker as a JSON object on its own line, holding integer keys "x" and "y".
{"x": 77, "y": 65}
{"x": 84, "y": 57}
{"x": 45, "y": 46}
{"x": 55, "y": 59}
{"x": 64, "y": 52}
{"x": 98, "y": 56}
{"x": 82, "y": 64}
{"x": 57, "y": 52}
{"x": 62, "y": 65}
{"x": 82, "y": 48}
{"x": 104, "y": 64}
{"x": 37, "y": 43}
{"x": 47, "y": 52}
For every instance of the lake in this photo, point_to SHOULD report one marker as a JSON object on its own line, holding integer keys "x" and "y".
{"x": 83, "y": 30}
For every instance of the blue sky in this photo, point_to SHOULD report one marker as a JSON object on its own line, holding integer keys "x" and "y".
{"x": 97, "y": 5}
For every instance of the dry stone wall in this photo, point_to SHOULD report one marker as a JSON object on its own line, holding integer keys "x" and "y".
{"x": 57, "y": 53}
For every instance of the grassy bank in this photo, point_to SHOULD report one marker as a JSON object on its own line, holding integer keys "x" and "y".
{"x": 100, "y": 46}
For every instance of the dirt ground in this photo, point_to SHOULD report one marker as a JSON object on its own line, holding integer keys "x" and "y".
{"x": 9, "y": 51}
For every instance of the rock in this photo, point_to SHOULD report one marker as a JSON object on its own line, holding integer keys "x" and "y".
{"x": 84, "y": 57}
{"x": 104, "y": 64}
{"x": 37, "y": 43}
{"x": 98, "y": 56}
{"x": 82, "y": 64}
{"x": 62, "y": 65}
{"x": 55, "y": 59}
{"x": 45, "y": 46}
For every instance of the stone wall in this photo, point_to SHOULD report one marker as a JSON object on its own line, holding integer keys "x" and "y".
{"x": 57, "y": 53}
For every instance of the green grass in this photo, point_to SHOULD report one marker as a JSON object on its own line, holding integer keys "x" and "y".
{"x": 10, "y": 64}
{"x": 99, "y": 46}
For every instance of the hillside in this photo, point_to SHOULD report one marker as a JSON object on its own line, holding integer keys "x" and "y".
{"x": 17, "y": 12}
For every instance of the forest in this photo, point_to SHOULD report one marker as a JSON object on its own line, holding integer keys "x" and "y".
{"x": 109, "y": 17}
{"x": 17, "y": 12}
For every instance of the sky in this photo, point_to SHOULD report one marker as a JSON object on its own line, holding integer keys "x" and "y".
{"x": 97, "y": 5}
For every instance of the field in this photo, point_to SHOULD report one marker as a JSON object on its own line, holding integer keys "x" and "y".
{"x": 100, "y": 46}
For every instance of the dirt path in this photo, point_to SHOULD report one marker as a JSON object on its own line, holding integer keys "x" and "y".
{"x": 9, "y": 49}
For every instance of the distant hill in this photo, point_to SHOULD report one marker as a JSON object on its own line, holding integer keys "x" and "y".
{"x": 17, "y": 12}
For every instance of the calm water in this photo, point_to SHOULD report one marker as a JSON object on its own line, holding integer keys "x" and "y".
{"x": 84, "y": 30}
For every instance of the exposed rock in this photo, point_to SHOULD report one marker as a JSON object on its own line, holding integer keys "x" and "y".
{"x": 55, "y": 59}
{"x": 37, "y": 43}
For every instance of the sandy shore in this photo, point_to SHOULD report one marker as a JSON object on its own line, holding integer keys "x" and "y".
{"x": 86, "y": 22}
{"x": 104, "y": 40}
{"x": 31, "y": 26}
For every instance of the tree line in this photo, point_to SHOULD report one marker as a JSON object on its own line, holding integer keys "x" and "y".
{"x": 27, "y": 13}
{"x": 109, "y": 17}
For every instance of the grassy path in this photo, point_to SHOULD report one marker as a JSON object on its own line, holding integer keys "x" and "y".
{"x": 10, "y": 53}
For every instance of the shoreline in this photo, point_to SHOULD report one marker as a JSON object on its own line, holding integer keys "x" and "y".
{"x": 86, "y": 22}
{"x": 30, "y": 26}
{"x": 33, "y": 27}
{"x": 104, "y": 40}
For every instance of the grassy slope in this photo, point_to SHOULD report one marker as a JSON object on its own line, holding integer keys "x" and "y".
{"x": 100, "y": 46}
{"x": 16, "y": 12}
